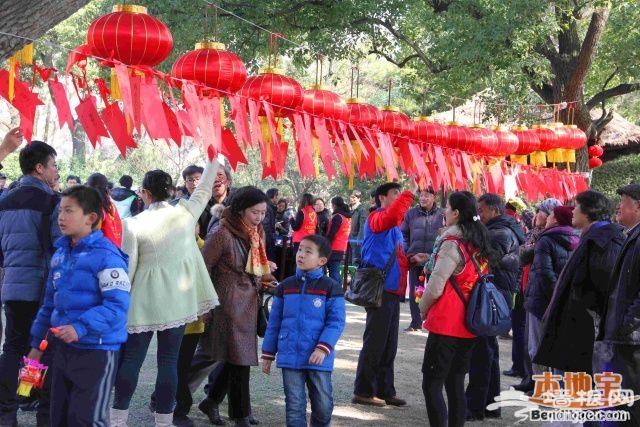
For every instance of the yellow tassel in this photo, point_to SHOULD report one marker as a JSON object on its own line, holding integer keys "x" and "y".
{"x": 12, "y": 76}
{"x": 352, "y": 172}
{"x": 115, "y": 88}
{"x": 519, "y": 159}
{"x": 569, "y": 156}
{"x": 316, "y": 154}
{"x": 264, "y": 130}
{"x": 25, "y": 55}
{"x": 538, "y": 158}
{"x": 223, "y": 119}
{"x": 554, "y": 155}
{"x": 24, "y": 389}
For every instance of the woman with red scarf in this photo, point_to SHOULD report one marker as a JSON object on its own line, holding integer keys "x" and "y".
{"x": 236, "y": 257}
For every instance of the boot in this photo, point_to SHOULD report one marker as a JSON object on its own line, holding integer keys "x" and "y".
{"x": 210, "y": 409}
{"x": 163, "y": 420}
{"x": 242, "y": 422}
{"x": 118, "y": 417}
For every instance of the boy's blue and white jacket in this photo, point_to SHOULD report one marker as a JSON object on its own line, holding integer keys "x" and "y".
{"x": 88, "y": 288}
{"x": 308, "y": 312}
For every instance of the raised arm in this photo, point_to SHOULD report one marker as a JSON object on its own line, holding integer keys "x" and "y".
{"x": 202, "y": 194}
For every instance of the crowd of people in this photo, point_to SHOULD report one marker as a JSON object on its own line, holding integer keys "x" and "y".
{"x": 93, "y": 272}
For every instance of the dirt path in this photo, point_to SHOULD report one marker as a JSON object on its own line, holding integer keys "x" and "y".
{"x": 268, "y": 398}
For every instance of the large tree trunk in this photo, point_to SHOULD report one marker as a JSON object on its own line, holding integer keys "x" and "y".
{"x": 30, "y": 19}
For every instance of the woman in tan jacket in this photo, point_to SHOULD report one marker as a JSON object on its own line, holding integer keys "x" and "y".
{"x": 236, "y": 258}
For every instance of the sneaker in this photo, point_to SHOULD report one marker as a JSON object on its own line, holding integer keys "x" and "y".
{"x": 371, "y": 401}
{"x": 411, "y": 329}
{"x": 395, "y": 401}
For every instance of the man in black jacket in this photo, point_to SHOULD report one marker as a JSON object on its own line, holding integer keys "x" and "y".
{"x": 358, "y": 217}
{"x": 620, "y": 331}
{"x": 580, "y": 295}
{"x": 506, "y": 236}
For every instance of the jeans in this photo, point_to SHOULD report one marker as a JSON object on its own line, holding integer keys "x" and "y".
{"x": 334, "y": 270}
{"x": 414, "y": 275}
{"x": 133, "y": 353}
{"x": 445, "y": 364}
{"x": 320, "y": 394}
{"x": 19, "y": 317}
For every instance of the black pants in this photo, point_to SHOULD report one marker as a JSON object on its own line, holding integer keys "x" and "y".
{"x": 234, "y": 380}
{"x": 626, "y": 361}
{"x": 414, "y": 274}
{"x": 184, "y": 400}
{"x": 81, "y": 386}
{"x": 445, "y": 364}
{"x": 19, "y": 317}
{"x": 374, "y": 375}
{"x": 484, "y": 377}
{"x": 518, "y": 349}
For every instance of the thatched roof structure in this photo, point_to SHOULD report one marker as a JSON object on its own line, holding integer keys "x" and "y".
{"x": 619, "y": 137}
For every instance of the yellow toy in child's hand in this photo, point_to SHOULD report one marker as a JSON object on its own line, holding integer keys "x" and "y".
{"x": 31, "y": 376}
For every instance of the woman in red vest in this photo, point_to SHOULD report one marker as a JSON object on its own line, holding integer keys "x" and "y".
{"x": 111, "y": 224}
{"x": 447, "y": 353}
{"x": 305, "y": 222}
{"x": 338, "y": 231}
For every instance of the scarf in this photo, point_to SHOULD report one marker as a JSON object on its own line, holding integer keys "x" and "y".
{"x": 257, "y": 263}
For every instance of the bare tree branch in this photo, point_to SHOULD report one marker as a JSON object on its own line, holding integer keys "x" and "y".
{"x": 621, "y": 89}
{"x": 390, "y": 59}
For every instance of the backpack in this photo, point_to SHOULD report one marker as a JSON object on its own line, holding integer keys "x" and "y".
{"x": 124, "y": 206}
{"x": 487, "y": 311}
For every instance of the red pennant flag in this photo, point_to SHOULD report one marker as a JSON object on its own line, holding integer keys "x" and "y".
{"x": 326, "y": 153}
{"x": 153, "y": 114}
{"x": 231, "y": 149}
{"x": 172, "y": 124}
{"x": 90, "y": 120}
{"x": 239, "y": 117}
{"x": 438, "y": 156}
{"x": 62, "y": 104}
{"x": 304, "y": 148}
{"x": 185, "y": 122}
{"x": 117, "y": 124}
{"x": 25, "y": 101}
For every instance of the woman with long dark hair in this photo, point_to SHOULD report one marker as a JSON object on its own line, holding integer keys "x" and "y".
{"x": 111, "y": 224}
{"x": 170, "y": 287}
{"x": 338, "y": 231}
{"x": 236, "y": 258}
{"x": 448, "y": 350}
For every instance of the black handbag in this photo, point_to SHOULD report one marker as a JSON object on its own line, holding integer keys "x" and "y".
{"x": 367, "y": 285}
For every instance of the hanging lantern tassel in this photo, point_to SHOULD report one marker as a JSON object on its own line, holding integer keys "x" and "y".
{"x": 22, "y": 57}
{"x": 538, "y": 158}
{"x": 555, "y": 155}
{"x": 569, "y": 155}
{"x": 522, "y": 159}
{"x": 115, "y": 87}
{"x": 316, "y": 153}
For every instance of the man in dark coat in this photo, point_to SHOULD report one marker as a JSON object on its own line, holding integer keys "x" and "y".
{"x": 419, "y": 230}
{"x": 269, "y": 223}
{"x": 620, "y": 331}
{"x": 358, "y": 217}
{"x": 506, "y": 236}
{"x": 581, "y": 292}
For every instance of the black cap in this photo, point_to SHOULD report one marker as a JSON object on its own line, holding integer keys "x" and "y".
{"x": 631, "y": 190}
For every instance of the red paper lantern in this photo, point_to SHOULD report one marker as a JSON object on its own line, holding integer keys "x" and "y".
{"x": 429, "y": 131}
{"x": 324, "y": 103}
{"x": 595, "y": 151}
{"x": 595, "y": 162}
{"x": 576, "y": 137}
{"x": 284, "y": 93}
{"x": 213, "y": 66}
{"x": 507, "y": 142}
{"x": 460, "y": 137}
{"x": 396, "y": 123}
{"x": 485, "y": 142}
{"x": 131, "y": 36}
{"x": 548, "y": 138}
{"x": 528, "y": 140}
{"x": 362, "y": 115}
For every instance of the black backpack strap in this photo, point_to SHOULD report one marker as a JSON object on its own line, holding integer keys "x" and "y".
{"x": 456, "y": 288}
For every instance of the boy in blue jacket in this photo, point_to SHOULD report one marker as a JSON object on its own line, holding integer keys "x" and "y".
{"x": 86, "y": 300}
{"x": 306, "y": 320}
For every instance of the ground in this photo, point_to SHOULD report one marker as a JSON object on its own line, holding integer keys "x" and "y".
{"x": 268, "y": 399}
